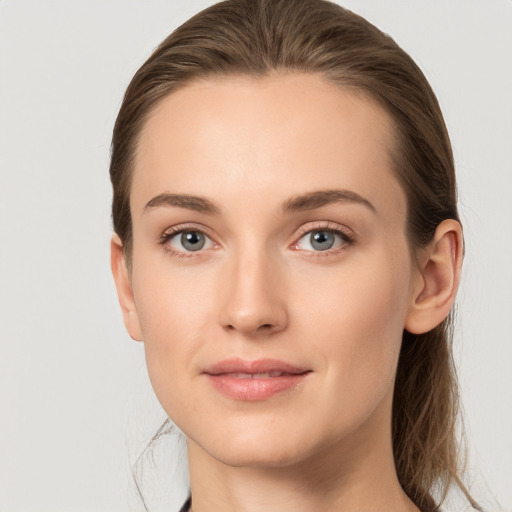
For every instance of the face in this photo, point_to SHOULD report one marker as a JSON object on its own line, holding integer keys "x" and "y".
{"x": 271, "y": 272}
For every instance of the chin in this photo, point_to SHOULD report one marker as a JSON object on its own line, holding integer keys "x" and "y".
{"x": 259, "y": 457}
{"x": 258, "y": 446}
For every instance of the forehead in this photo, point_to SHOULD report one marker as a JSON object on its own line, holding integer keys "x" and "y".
{"x": 282, "y": 134}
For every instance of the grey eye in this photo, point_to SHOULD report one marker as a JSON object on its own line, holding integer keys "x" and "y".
{"x": 192, "y": 240}
{"x": 322, "y": 240}
{"x": 318, "y": 240}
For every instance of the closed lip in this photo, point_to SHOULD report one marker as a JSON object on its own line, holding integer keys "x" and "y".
{"x": 258, "y": 380}
{"x": 274, "y": 367}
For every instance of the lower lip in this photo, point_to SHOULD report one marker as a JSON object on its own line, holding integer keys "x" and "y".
{"x": 254, "y": 389}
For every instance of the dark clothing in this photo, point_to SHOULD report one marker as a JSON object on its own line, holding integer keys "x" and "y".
{"x": 186, "y": 505}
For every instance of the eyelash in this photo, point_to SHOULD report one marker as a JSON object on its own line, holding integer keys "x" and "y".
{"x": 345, "y": 234}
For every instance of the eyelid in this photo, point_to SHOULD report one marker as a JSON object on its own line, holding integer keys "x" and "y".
{"x": 327, "y": 225}
{"x": 187, "y": 226}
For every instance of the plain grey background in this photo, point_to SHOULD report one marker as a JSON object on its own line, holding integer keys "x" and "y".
{"x": 76, "y": 406}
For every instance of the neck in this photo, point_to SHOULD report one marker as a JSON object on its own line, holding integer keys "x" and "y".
{"x": 358, "y": 473}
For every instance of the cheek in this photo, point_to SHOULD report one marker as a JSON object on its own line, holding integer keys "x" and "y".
{"x": 356, "y": 321}
{"x": 173, "y": 301}
{"x": 176, "y": 316}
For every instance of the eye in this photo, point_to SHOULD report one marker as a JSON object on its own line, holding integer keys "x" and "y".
{"x": 188, "y": 241}
{"x": 324, "y": 239}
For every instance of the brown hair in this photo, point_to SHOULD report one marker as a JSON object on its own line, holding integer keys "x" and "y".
{"x": 259, "y": 37}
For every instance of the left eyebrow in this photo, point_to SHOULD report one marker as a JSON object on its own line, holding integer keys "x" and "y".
{"x": 320, "y": 198}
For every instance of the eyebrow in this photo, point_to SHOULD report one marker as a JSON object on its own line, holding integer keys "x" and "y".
{"x": 320, "y": 198}
{"x": 197, "y": 203}
{"x": 302, "y": 202}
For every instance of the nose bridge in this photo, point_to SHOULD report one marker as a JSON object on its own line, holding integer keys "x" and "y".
{"x": 254, "y": 295}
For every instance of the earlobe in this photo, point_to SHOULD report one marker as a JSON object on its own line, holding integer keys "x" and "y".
{"x": 124, "y": 288}
{"x": 438, "y": 279}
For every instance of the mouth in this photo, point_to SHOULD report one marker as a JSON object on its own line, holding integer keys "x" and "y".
{"x": 254, "y": 380}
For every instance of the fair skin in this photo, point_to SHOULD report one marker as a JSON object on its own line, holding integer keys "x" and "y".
{"x": 253, "y": 284}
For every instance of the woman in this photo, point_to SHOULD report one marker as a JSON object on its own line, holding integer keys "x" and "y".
{"x": 288, "y": 247}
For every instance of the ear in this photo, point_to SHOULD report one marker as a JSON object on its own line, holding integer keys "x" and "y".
{"x": 124, "y": 288}
{"x": 438, "y": 279}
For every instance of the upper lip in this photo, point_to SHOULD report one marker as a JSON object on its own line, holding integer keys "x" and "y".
{"x": 237, "y": 365}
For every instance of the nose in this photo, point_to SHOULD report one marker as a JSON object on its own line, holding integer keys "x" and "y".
{"x": 254, "y": 297}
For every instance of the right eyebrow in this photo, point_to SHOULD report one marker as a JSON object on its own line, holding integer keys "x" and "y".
{"x": 196, "y": 203}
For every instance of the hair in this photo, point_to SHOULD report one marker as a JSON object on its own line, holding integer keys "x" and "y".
{"x": 256, "y": 38}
